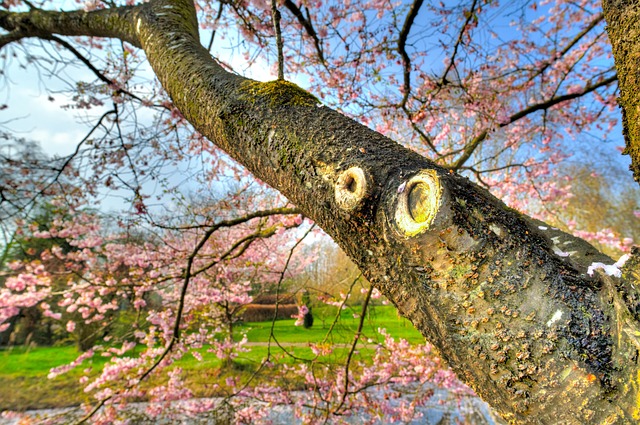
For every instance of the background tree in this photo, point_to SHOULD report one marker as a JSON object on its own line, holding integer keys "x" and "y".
{"x": 623, "y": 18}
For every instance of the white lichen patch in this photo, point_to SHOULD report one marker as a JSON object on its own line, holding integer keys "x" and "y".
{"x": 556, "y": 316}
{"x": 609, "y": 269}
{"x": 561, "y": 253}
{"x": 622, "y": 260}
{"x": 556, "y": 248}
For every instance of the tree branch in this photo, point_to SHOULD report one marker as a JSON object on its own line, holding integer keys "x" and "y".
{"x": 12, "y": 36}
{"x": 275, "y": 16}
{"x": 215, "y": 23}
{"x": 308, "y": 26}
{"x": 352, "y": 350}
{"x": 402, "y": 44}
{"x": 477, "y": 140}
{"x": 235, "y": 221}
{"x": 95, "y": 70}
{"x": 596, "y": 20}
{"x": 112, "y": 23}
{"x": 459, "y": 41}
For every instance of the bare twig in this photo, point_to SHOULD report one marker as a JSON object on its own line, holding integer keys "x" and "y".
{"x": 61, "y": 168}
{"x": 275, "y": 15}
{"x": 356, "y": 338}
{"x": 597, "y": 19}
{"x": 215, "y": 24}
{"x": 237, "y": 220}
{"x": 344, "y": 301}
{"x": 459, "y": 41}
{"x": 476, "y": 141}
{"x": 308, "y": 26}
{"x": 280, "y": 279}
{"x": 402, "y": 43}
{"x": 93, "y": 411}
{"x": 96, "y": 71}
{"x": 271, "y": 333}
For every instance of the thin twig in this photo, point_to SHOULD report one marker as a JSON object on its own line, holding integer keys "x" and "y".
{"x": 308, "y": 26}
{"x": 96, "y": 71}
{"x": 459, "y": 41}
{"x": 554, "y": 58}
{"x": 215, "y": 24}
{"x": 188, "y": 274}
{"x": 237, "y": 220}
{"x": 93, "y": 411}
{"x": 356, "y": 338}
{"x": 402, "y": 42}
{"x": 280, "y": 279}
{"x": 476, "y": 141}
{"x": 271, "y": 334}
{"x": 275, "y": 15}
{"x": 344, "y": 301}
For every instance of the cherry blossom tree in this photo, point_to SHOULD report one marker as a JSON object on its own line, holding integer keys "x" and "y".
{"x": 185, "y": 286}
{"x": 539, "y": 323}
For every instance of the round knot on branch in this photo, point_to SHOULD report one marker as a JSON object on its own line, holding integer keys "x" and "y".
{"x": 419, "y": 200}
{"x": 352, "y": 188}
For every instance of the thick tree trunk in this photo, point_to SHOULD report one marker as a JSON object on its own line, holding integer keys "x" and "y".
{"x": 506, "y": 300}
{"x": 623, "y": 26}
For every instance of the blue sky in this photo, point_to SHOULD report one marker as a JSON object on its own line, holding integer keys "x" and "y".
{"x": 32, "y": 115}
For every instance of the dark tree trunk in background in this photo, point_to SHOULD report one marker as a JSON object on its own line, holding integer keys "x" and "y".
{"x": 623, "y": 26}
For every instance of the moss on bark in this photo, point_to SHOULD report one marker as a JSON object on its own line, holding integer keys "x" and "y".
{"x": 276, "y": 93}
{"x": 623, "y": 26}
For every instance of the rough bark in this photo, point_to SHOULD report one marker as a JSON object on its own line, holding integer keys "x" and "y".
{"x": 623, "y": 27}
{"x": 517, "y": 318}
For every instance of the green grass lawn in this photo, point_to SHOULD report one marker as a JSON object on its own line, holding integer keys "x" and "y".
{"x": 24, "y": 383}
{"x": 377, "y": 317}
{"x": 23, "y": 372}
